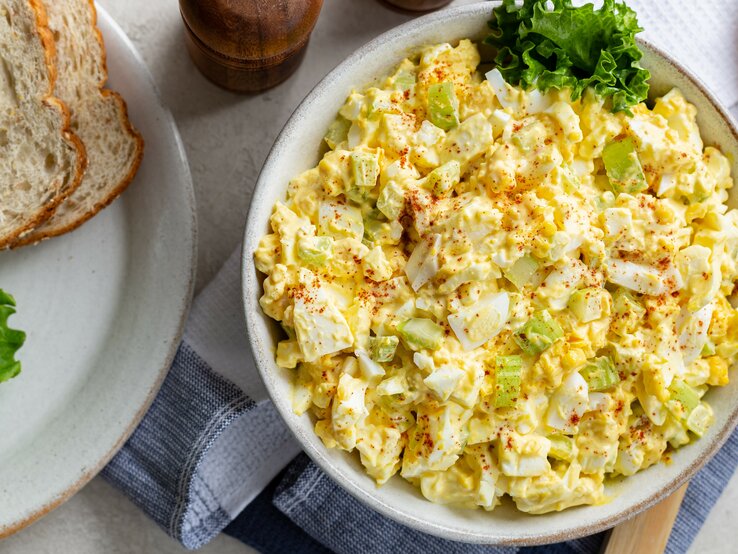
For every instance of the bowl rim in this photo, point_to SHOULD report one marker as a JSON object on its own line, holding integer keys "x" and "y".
{"x": 249, "y": 286}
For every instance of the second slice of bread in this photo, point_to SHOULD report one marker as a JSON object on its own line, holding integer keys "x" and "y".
{"x": 41, "y": 160}
{"x": 99, "y": 117}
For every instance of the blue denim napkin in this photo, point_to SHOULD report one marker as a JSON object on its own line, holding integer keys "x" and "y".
{"x": 205, "y": 458}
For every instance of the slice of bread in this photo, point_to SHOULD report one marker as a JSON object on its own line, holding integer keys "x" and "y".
{"x": 99, "y": 117}
{"x": 41, "y": 160}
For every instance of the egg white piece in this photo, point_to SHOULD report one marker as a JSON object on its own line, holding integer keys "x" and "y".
{"x": 568, "y": 404}
{"x": 482, "y": 321}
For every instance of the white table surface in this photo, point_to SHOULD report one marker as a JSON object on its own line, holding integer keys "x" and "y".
{"x": 227, "y": 138}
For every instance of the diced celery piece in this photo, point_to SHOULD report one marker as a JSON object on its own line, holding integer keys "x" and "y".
{"x": 391, "y": 200}
{"x": 623, "y": 166}
{"x": 420, "y": 333}
{"x": 686, "y": 405}
{"x": 358, "y": 195}
{"x": 708, "y": 349}
{"x": 562, "y": 447}
{"x": 445, "y": 177}
{"x": 404, "y": 80}
{"x": 337, "y": 132}
{"x": 538, "y": 333}
{"x": 700, "y": 419}
{"x": 364, "y": 168}
{"x": 381, "y": 231}
{"x": 382, "y": 349}
{"x": 315, "y": 250}
{"x": 521, "y": 272}
{"x": 600, "y": 374}
{"x": 686, "y": 396}
{"x": 624, "y": 303}
{"x": 443, "y": 107}
{"x": 588, "y": 304}
{"x": 699, "y": 194}
{"x": 508, "y": 370}
{"x": 374, "y": 228}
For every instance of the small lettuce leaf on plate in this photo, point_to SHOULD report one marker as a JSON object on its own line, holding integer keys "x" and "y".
{"x": 571, "y": 47}
{"x": 10, "y": 339}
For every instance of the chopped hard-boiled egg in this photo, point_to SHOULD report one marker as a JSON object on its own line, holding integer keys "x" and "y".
{"x": 494, "y": 291}
{"x": 476, "y": 324}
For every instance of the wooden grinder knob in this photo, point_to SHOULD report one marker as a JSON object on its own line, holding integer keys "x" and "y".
{"x": 418, "y": 5}
{"x": 248, "y": 45}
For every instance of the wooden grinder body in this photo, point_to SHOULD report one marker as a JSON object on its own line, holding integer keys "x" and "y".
{"x": 248, "y": 45}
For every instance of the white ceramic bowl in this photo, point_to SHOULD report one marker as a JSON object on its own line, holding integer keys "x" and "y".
{"x": 297, "y": 149}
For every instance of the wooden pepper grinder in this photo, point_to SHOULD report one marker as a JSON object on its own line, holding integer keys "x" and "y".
{"x": 248, "y": 45}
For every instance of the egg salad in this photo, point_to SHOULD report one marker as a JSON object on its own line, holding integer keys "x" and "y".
{"x": 491, "y": 291}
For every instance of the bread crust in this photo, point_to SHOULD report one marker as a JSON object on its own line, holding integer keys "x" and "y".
{"x": 47, "y": 210}
{"x": 41, "y": 232}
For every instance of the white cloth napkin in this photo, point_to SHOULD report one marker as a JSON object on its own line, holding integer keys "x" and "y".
{"x": 702, "y": 35}
{"x": 254, "y": 449}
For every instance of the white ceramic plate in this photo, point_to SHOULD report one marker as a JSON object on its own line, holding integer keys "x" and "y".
{"x": 103, "y": 308}
{"x": 297, "y": 149}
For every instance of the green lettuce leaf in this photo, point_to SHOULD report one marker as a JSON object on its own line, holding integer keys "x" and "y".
{"x": 10, "y": 339}
{"x": 568, "y": 47}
